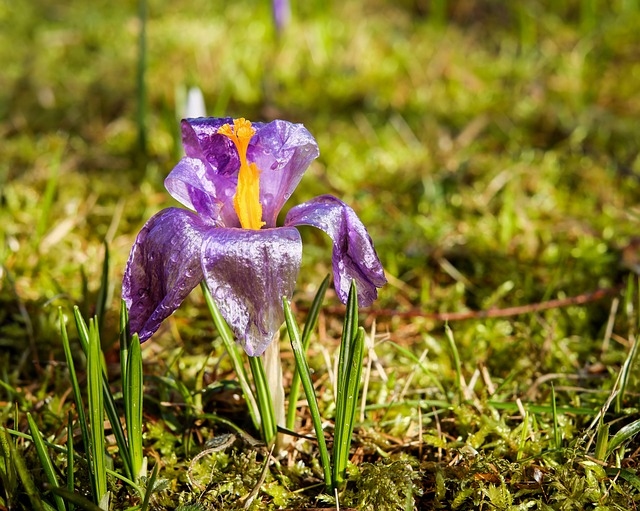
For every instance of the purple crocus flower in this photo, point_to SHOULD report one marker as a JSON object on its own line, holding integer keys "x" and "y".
{"x": 235, "y": 177}
{"x": 281, "y": 14}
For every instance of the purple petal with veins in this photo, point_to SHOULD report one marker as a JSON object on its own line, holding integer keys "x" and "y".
{"x": 353, "y": 254}
{"x": 163, "y": 268}
{"x": 248, "y": 273}
{"x": 283, "y": 152}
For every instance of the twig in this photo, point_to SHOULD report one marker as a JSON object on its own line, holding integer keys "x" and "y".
{"x": 581, "y": 299}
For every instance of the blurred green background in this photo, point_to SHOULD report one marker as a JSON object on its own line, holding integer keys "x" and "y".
{"x": 491, "y": 135}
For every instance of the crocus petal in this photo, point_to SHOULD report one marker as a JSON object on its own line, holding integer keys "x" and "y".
{"x": 201, "y": 140}
{"x": 282, "y": 151}
{"x": 248, "y": 273}
{"x": 205, "y": 180}
{"x": 281, "y": 14}
{"x": 194, "y": 184}
{"x": 195, "y": 106}
{"x": 163, "y": 267}
{"x": 353, "y": 254}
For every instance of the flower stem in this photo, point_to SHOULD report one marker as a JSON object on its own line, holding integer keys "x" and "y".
{"x": 268, "y": 426}
{"x": 273, "y": 371}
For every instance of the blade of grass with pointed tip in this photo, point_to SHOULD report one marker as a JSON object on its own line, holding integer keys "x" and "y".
{"x": 133, "y": 392}
{"x": 628, "y": 475}
{"x": 344, "y": 429}
{"x": 625, "y": 372}
{"x": 349, "y": 332}
{"x": 232, "y": 350}
{"x": 348, "y": 382}
{"x": 83, "y": 329}
{"x": 456, "y": 361}
{"x": 49, "y": 195}
{"x": 150, "y": 486}
{"x": 302, "y": 368}
{"x": 77, "y": 395}
{"x": 96, "y": 411}
{"x": 309, "y": 326}
{"x": 349, "y": 329}
{"x": 131, "y": 377}
{"x": 626, "y": 433}
{"x": 602, "y": 441}
{"x": 45, "y": 460}
{"x": 108, "y": 401}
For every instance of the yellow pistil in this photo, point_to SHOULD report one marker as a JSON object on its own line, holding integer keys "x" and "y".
{"x": 246, "y": 201}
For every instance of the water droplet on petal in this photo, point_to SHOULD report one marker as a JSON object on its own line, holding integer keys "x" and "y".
{"x": 219, "y": 293}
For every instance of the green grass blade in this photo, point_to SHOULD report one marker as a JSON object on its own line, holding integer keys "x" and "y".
{"x": 344, "y": 428}
{"x": 456, "y": 362}
{"x": 348, "y": 381}
{"x": 96, "y": 411}
{"x": 625, "y": 373}
{"x": 348, "y": 334}
{"x": 602, "y": 441}
{"x": 151, "y": 483}
{"x": 305, "y": 376}
{"x": 626, "y": 433}
{"x": 309, "y": 327}
{"x": 629, "y": 475}
{"x": 125, "y": 340}
{"x": 557, "y": 435}
{"x": 234, "y": 354}
{"x": 83, "y": 330}
{"x": 116, "y": 426}
{"x": 74, "y": 499}
{"x": 45, "y": 460}
{"x": 133, "y": 409}
{"x": 77, "y": 396}
{"x": 49, "y": 195}
{"x": 23, "y": 473}
{"x": 268, "y": 425}
{"x": 7, "y": 470}
{"x": 314, "y": 312}
{"x": 536, "y": 409}
{"x": 70, "y": 459}
{"x": 108, "y": 401}
{"x": 524, "y": 434}
{"x": 416, "y": 360}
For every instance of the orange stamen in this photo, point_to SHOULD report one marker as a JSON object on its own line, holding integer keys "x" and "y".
{"x": 246, "y": 201}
